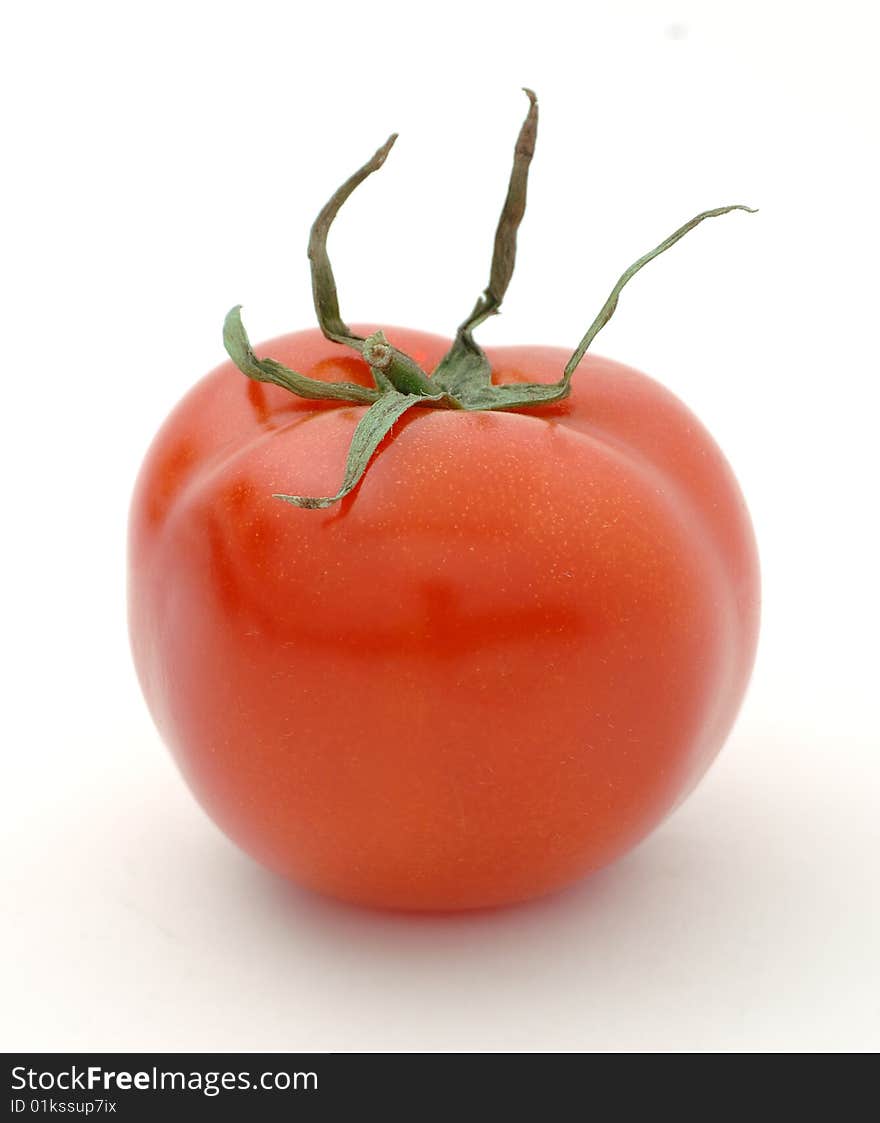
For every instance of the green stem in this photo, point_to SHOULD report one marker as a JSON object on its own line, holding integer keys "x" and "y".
{"x": 463, "y": 378}
{"x": 401, "y": 371}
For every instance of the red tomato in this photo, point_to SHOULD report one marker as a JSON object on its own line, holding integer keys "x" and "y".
{"x": 492, "y": 668}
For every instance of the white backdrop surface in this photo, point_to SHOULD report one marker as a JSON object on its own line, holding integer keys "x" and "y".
{"x": 166, "y": 161}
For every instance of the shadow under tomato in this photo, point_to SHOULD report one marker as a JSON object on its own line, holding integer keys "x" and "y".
{"x": 614, "y": 891}
{"x": 687, "y": 892}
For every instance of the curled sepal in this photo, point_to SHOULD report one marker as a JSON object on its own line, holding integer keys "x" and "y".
{"x": 323, "y": 281}
{"x": 512, "y": 395}
{"x": 504, "y": 251}
{"x": 239, "y": 349}
{"x": 371, "y": 429}
{"x": 465, "y": 369}
{"x": 399, "y": 369}
{"x": 607, "y": 310}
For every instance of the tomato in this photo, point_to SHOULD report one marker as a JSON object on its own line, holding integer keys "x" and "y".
{"x": 498, "y": 661}
{"x": 493, "y": 668}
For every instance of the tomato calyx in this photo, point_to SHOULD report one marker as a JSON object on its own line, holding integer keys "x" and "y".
{"x": 463, "y": 378}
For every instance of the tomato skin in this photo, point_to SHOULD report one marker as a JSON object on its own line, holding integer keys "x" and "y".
{"x": 493, "y": 668}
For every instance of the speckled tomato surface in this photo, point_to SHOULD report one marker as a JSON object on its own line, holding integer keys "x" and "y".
{"x": 493, "y": 667}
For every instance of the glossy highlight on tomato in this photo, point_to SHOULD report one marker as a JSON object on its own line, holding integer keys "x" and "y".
{"x": 490, "y": 669}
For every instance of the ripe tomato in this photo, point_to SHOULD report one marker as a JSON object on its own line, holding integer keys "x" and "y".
{"x": 492, "y": 669}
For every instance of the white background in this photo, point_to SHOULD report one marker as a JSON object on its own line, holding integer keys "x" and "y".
{"x": 163, "y": 162}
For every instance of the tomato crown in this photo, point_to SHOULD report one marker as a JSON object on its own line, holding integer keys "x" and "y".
{"x": 463, "y": 378}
